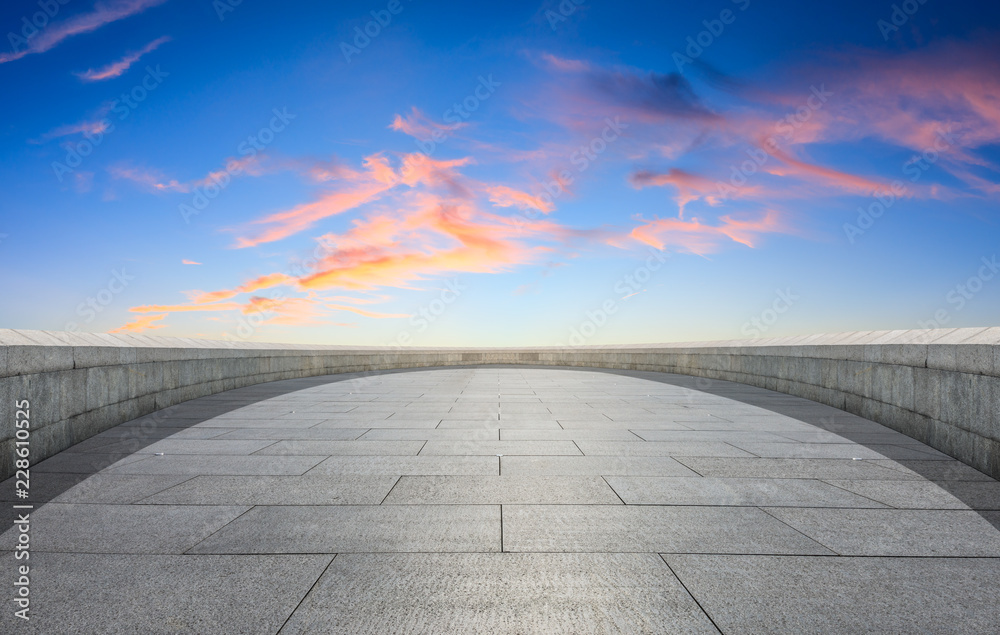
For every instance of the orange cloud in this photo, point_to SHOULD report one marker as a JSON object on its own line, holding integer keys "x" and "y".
{"x": 185, "y": 261}
{"x": 503, "y": 196}
{"x": 419, "y": 126}
{"x": 179, "y": 308}
{"x": 263, "y": 282}
{"x": 698, "y": 238}
{"x": 115, "y": 69}
{"x": 142, "y": 323}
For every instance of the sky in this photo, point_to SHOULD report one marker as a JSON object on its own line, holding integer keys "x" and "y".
{"x": 407, "y": 173}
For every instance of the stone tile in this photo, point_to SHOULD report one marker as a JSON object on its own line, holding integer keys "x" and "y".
{"x": 93, "y": 528}
{"x": 125, "y": 594}
{"x": 310, "y": 489}
{"x": 342, "y": 448}
{"x": 196, "y": 446}
{"x": 232, "y": 465}
{"x": 928, "y": 494}
{"x": 365, "y": 528}
{"x": 660, "y": 448}
{"x": 378, "y": 423}
{"x": 497, "y": 490}
{"x": 809, "y": 450}
{"x": 489, "y": 424}
{"x": 785, "y": 492}
{"x": 792, "y": 468}
{"x": 522, "y": 593}
{"x": 567, "y": 435}
{"x": 430, "y": 434}
{"x": 84, "y": 462}
{"x": 493, "y": 448}
{"x": 592, "y": 466}
{"x": 935, "y": 470}
{"x": 802, "y": 594}
{"x": 279, "y": 434}
{"x": 725, "y": 436}
{"x": 409, "y": 465}
{"x": 895, "y": 532}
{"x": 627, "y": 528}
{"x": 119, "y": 489}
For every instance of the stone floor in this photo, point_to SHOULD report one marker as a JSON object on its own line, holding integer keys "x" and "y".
{"x": 508, "y": 500}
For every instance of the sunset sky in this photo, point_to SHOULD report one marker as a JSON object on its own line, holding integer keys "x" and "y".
{"x": 491, "y": 174}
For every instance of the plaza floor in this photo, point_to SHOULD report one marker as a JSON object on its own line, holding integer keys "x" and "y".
{"x": 507, "y": 500}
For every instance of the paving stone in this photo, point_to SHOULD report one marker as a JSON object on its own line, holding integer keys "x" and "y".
{"x": 660, "y": 448}
{"x": 626, "y": 528}
{"x": 197, "y": 446}
{"x": 496, "y": 490}
{"x": 233, "y": 465}
{"x": 793, "y": 468}
{"x": 118, "y": 594}
{"x": 409, "y": 465}
{"x": 895, "y": 532}
{"x": 494, "y": 448}
{"x": 365, "y": 528}
{"x": 644, "y": 490}
{"x": 92, "y": 528}
{"x": 802, "y": 594}
{"x": 593, "y": 465}
{"x": 520, "y": 593}
{"x": 310, "y": 489}
{"x": 342, "y": 448}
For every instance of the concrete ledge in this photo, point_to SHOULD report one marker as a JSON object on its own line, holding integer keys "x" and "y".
{"x": 941, "y": 386}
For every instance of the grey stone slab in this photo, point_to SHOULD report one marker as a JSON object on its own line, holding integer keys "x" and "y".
{"x": 802, "y": 594}
{"x": 378, "y": 423}
{"x": 505, "y": 490}
{"x": 409, "y": 465}
{"x": 279, "y": 434}
{"x": 725, "y": 436}
{"x": 627, "y": 528}
{"x": 342, "y": 448}
{"x": 793, "y": 468}
{"x": 259, "y": 423}
{"x": 196, "y": 446}
{"x": 493, "y": 448}
{"x": 593, "y": 466}
{"x": 896, "y": 532}
{"x": 159, "y": 594}
{"x": 567, "y": 435}
{"x": 928, "y": 494}
{"x": 489, "y": 424}
{"x": 661, "y": 448}
{"x": 430, "y": 434}
{"x": 232, "y": 465}
{"x": 118, "y": 489}
{"x": 309, "y": 489}
{"x": 809, "y": 450}
{"x": 935, "y": 470}
{"x": 365, "y": 528}
{"x": 590, "y": 424}
{"x": 95, "y": 528}
{"x": 640, "y": 490}
{"x": 519, "y": 593}
{"x": 84, "y": 462}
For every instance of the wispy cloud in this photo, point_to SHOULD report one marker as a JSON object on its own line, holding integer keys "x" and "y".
{"x": 115, "y": 69}
{"x": 141, "y": 323}
{"x": 185, "y": 261}
{"x": 103, "y": 13}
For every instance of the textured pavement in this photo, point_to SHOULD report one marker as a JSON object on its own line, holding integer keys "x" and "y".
{"x": 507, "y": 500}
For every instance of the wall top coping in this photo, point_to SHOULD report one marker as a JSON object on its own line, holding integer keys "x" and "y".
{"x": 988, "y": 336}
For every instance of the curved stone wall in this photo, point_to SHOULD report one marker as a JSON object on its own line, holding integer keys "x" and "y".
{"x": 939, "y": 386}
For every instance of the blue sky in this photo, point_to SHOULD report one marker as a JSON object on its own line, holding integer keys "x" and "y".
{"x": 484, "y": 174}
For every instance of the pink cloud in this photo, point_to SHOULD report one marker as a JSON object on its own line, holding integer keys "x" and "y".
{"x": 116, "y": 69}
